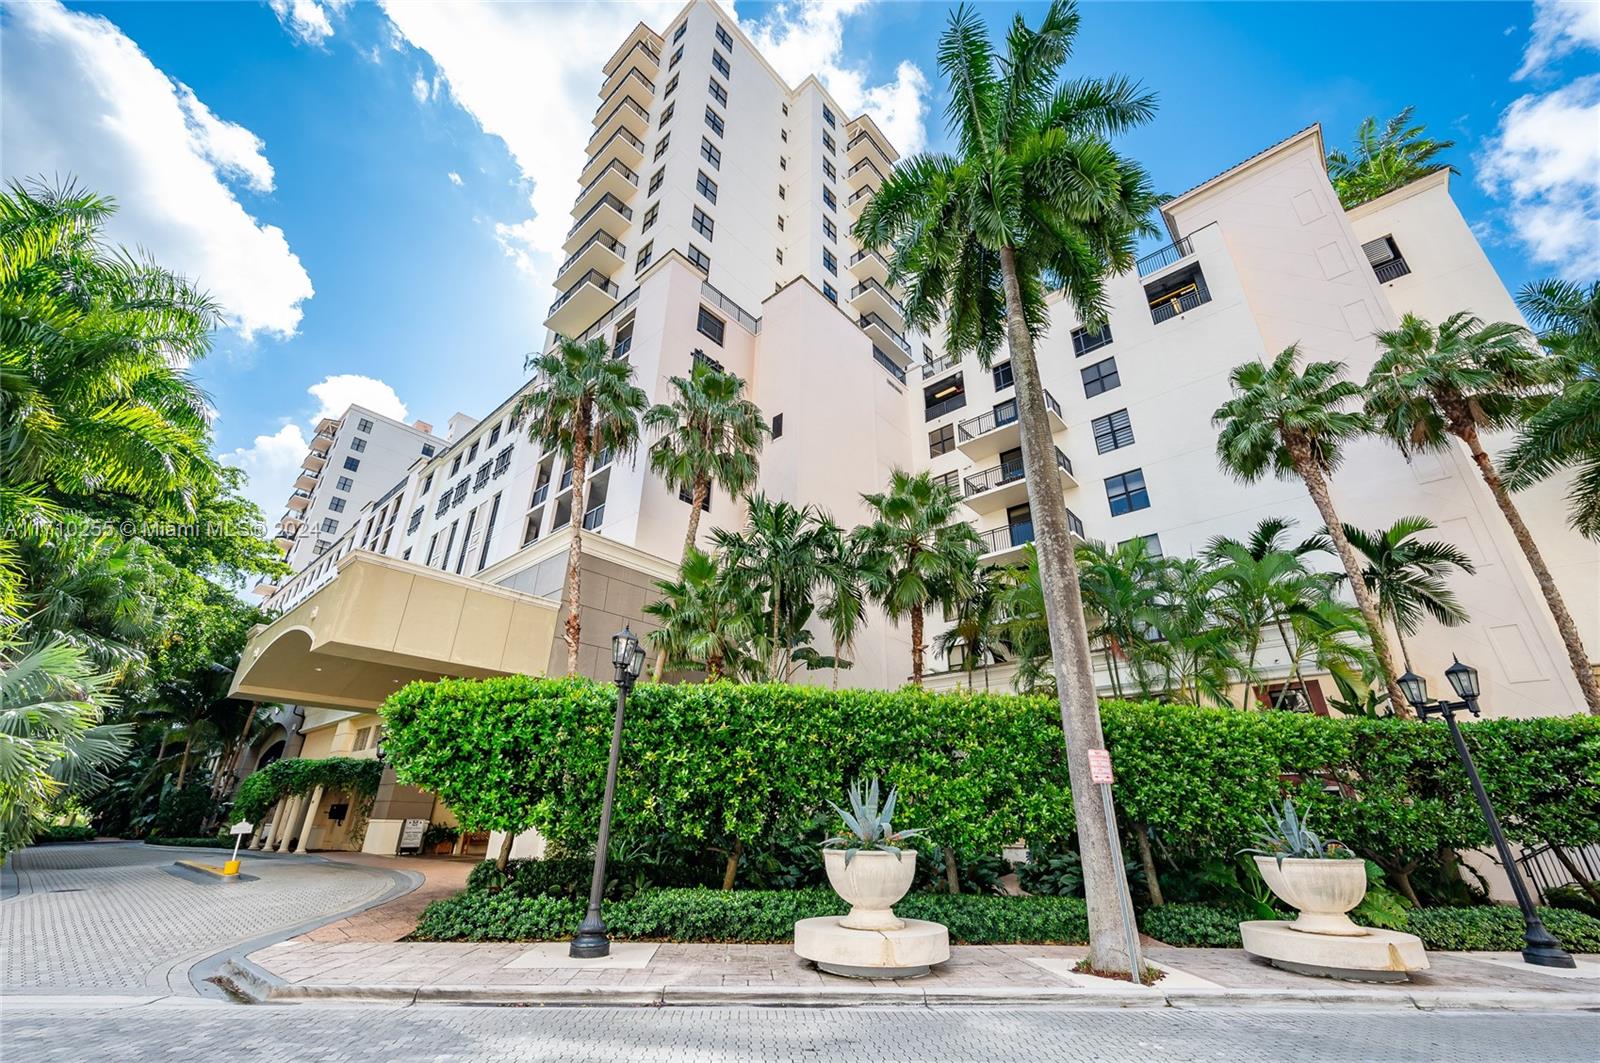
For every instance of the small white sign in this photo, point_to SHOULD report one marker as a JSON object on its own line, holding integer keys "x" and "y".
{"x": 411, "y": 833}
{"x": 1100, "y": 766}
{"x": 242, "y": 827}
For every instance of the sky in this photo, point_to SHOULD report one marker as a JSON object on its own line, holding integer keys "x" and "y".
{"x": 376, "y": 192}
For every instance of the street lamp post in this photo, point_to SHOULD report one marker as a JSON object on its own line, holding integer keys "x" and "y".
{"x": 627, "y": 656}
{"x": 1541, "y": 946}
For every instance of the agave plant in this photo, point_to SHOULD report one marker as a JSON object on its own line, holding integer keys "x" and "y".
{"x": 1286, "y": 833}
{"x": 868, "y": 824}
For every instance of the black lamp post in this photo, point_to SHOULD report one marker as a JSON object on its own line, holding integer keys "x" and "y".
{"x": 1542, "y": 948}
{"x": 627, "y": 656}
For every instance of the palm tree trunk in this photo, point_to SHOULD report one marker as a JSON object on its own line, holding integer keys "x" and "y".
{"x": 1317, "y": 486}
{"x": 580, "y": 462}
{"x": 1069, "y": 638}
{"x": 1582, "y": 670}
{"x": 183, "y": 765}
{"x": 1400, "y": 640}
{"x": 916, "y": 645}
{"x": 697, "y": 498}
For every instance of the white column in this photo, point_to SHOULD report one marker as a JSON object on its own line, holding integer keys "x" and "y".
{"x": 290, "y": 812}
{"x": 268, "y": 830}
{"x": 311, "y": 817}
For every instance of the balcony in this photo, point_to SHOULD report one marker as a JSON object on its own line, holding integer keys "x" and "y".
{"x": 869, "y": 265}
{"x": 617, "y": 180}
{"x": 1390, "y": 270}
{"x": 291, "y": 523}
{"x": 857, "y": 200}
{"x": 884, "y": 335}
{"x": 635, "y": 83}
{"x": 939, "y": 365}
{"x": 871, "y": 297}
{"x": 328, "y": 426}
{"x": 1177, "y": 293}
{"x": 299, "y": 500}
{"x": 1000, "y": 430}
{"x": 1004, "y": 485}
{"x": 894, "y": 368}
{"x": 864, "y": 174}
{"x": 306, "y": 480}
{"x": 609, "y": 214}
{"x": 1171, "y": 255}
{"x": 602, "y": 252}
{"x": 1003, "y": 545}
{"x": 863, "y": 144}
{"x": 314, "y": 461}
{"x": 623, "y": 146}
{"x": 284, "y": 541}
{"x": 627, "y": 114}
{"x": 580, "y": 304}
{"x": 596, "y": 464}
{"x": 641, "y": 57}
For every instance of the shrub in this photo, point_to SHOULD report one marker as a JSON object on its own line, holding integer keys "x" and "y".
{"x": 221, "y": 841}
{"x": 182, "y": 813}
{"x": 475, "y": 915}
{"x": 1196, "y": 926}
{"x": 64, "y": 832}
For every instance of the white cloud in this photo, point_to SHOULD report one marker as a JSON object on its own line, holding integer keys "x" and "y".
{"x": 82, "y": 99}
{"x": 1559, "y": 28}
{"x": 269, "y": 465}
{"x": 306, "y": 20}
{"x": 1545, "y": 160}
{"x": 455, "y": 178}
{"x": 336, "y": 393}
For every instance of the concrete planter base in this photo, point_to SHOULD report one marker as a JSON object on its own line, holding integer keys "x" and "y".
{"x": 907, "y": 952}
{"x": 1376, "y": 956}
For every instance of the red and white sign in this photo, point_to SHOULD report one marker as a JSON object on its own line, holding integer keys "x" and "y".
{"x": 1100, "y": 766}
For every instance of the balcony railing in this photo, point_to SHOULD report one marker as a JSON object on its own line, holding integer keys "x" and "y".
{"x": 864, "y": 164}
{"x": 649, "y": 85}
{"x": 955, "y": 402}
{"x": 872, "y": 285}
{"x": 313, "y": 577}
{"x": 856, "y": 258}
{"x": 606, "y": 318}
{"x": 869, "y": 138}
{"x": 859, "y": 194}
{"x": 997, "y": 539}
{"x": 606, "y": 200}
{"x": 600, "y": 237}
{"x": 594, "y": 277}
{"x": 1390, "y": 270}
{"x": 1180, "y": 302}
{"x": 594, "y": 518}
{"x": 615, "y": 164}
{"x": 540, "y": 493}
{"x": 999, "y": 417}
{"x": 888, "y": 363}
{"x": 595, "y": 465}
{"x": 622, "y": 133}
{"x": 627, "y": 102}
{"x": 939, "y": 365}
{"x": 877, "y": 319}
{"x": 1164, "y": 257}
{"x": 1007, "y": 472}
{"x": 748, "y": 321}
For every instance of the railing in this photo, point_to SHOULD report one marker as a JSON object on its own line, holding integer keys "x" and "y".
{"x": 859, "y": 256}
{"x": 615, "y": 164}
{"x": 877, "y": 319}
{"x": 869, "y": 138}
{"x": 594, "y": 277}
{"x": 939, "y": 409}
{"x": 748, "y": 321}
{"x": 864, "y": 164}
{"x": 633, "y": 73}
{"x": 1164, "y": 257}
{"x": 1181, "y": 302}
{"x": 654, "y": 55}
{"x": 600, "y": 462}
{"x": 1548, "y": 871}
{"x": 600, "y": 237}
{"x": 540, "y": 493}
{"x": 999, "y": 417}
{"x": 939, "y": 365}
{"x": 627, "y": 101}
{"x": 312, "y": 578}
{"x": 864, "y": 192}
{"x": 1007, "y": 472}
{"x": 996, "y": 540}
{"x": 606, "y": 318}
{"x": 606, "y": 200}
{"x": 888, "y": 363}
{"x": 594, "y": 518}
{"x": 872, "y": 285}
{"x": 1390, "y": 270}
{"x": 622, "y": 132}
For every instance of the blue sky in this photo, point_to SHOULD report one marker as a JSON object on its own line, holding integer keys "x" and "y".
{"x": 373, "y": 190}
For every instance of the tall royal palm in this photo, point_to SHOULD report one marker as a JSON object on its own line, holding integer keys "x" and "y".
{"x": 1409, "y": 576}
{"x": 916, "y": 552}
{"x": 1295, "y": 424}
{"x": 1457, "y": 380}
{"x": 583, "y": 401}
{"x": 1033, "y": 200}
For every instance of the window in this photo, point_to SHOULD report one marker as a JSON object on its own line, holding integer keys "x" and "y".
{"x": 427, "y": 483}
{"x": 364, "y": 425}
{"x": 1100, "y": 377}
{"x": 783, "y": 134}
{"x": 710, "y": 326}
{"x": 494, "y": 436}
{"x": 336, "y": 504}
{"x": 624, "y": 340}
{"x": 785, "y": 107}
{"x": 661, "y": 149}
{"x": 650, "y": 217}
{"x": 719, "y": 62}
{"x": 827, "y": 116}
{"x": 780, "y": 256}
{"x": 706, "y": 186}
{"x": 718, "y": 93}
{"x": 830, "y": 230}
{"x": 677, "y": 34}
{"x": 830, "y": 293}
{"x": 345, "y": 483}
{"x": 488, "y": 531}
{"x": 460, "y": 493}
{"x": 941, "y": 440}
{"x": 829, "y": 172}
{"x": 714, "y": 120}
{"x": 655, "y": 181}
{"x": 444, "y": 504}
{"x": 666, "y": 116}
{"x": 455, "y": 466}
{"x": 1152, "y": 544}
{"x": 711, "y": 153}
{"x": 780, "y": 223}
{"x": 472, "y": 452}
{"x": 827, "y": 142}
{"x": 1084, "y": 341}
{"x": 502, "y": 462}
{"x": 702, "y": 358}
{"x": 1384, "y": 256}
{"x": 416, "y": 520}
{"x": 643, "y": 260}
{"x": 685, "y": 495}
{"x": 329, "y": 525}
{"x": 1002, "y": 376}
{"x": 702, "y": 223}
{"x": 830, "y": 263}
{"x": 700, "y": 260}
{"x": 1112, "y": 432}
{"x": 777, "y": 425}
{"x": 352, "y": 464}
{"x": 670, "y": 86}
{"x": 828, "y": 199}
{"x": 358, "y": 444}
{"x": 677, "y": 55}
{"x": 724, "y": 38}
{"x": 783, "y": 193}
{"x": 1126, "y": 492}
{"x": 427, "y": 450}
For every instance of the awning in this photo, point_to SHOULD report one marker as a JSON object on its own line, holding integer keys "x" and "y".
{"x": 381, "y": 623}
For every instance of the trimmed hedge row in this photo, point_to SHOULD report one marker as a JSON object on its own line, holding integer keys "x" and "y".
{"x": 221, "y": 841}
{"x": 59, "y": 834}
{"x": 713, "y": 765}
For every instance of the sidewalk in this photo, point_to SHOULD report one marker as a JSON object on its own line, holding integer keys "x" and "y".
{"x": 442, "y": 876}
{"x": 650, "y": 974}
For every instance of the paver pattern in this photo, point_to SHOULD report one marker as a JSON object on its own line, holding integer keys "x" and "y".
{"x": 440, "y": 1034}
{"x": 110, "y": 917}
{"x": 393, "y": 920}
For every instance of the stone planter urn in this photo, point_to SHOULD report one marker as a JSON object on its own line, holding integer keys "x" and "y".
{"x": 872, "y": 884}
{"x": 1321, "y": 890}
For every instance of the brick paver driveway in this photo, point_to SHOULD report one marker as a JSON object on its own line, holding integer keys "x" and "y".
{"x": 111, "y": 917}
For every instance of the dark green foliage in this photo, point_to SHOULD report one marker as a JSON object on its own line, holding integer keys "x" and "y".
{"x": 261, "y": 789}
{"x": 63, "y": 833}
{"x": 221, "y": 841}
{"x": 476, "y": 915}
{"x": 1572, "y": 897}
{"x": 183, "y": 813}
{"x": 1196, "y": 926}
{"x": 1052, "y": 874}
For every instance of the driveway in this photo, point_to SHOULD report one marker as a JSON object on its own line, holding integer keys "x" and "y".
{"x": 113, "y": 917}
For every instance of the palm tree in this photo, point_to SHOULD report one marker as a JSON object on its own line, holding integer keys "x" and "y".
{"x": 1460, "y": 379}
{"x": 1025, "y": 629}
{"x": 916, "y": 552}
{"x": 1034, "y": 200}
{"x": 977, "y": 626}
{"x": 1196, "y": 648}
{"x": 1295, "y": 424}
{"x": 845, "y": 608}
{"x": 1121, "y": 595}
{"x": 1562, "y": 425}
{"x": 1383, "y": 161}
{"x": 583, "y": 400}
{"x": 707, "y": 615}
{"x": 1408, "y": 576}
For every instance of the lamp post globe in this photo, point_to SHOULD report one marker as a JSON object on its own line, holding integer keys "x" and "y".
{"x": 1415, "y": 688}
{"x": 1463, "y": 680}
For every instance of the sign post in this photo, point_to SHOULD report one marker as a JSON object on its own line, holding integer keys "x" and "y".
{"x": 1101, "y": 775}
{"x": 240, "y": 831}
{"x": 411, "y": 834}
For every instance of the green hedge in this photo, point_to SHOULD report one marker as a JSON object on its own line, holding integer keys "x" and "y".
{"x": 1485, "y": 928}
{"x": 711, "y": 765}
{"x": 356, "y": 776}
{"x": 743, "y": 916}
{"x": 59, "y": 834}
{"x": 221, "y": 841}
